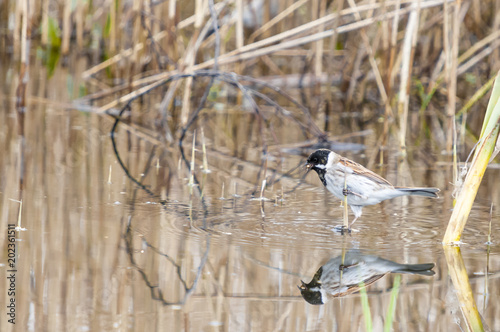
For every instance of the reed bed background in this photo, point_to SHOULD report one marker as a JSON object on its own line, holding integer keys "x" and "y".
{"x": 414, "y": 65}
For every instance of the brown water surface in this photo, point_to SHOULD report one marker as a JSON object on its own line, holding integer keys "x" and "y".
{"x": 97, "y": 252}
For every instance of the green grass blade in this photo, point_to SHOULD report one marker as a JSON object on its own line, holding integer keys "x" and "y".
{"x": 366, "y": 308}
{"x": 392, "y": 304}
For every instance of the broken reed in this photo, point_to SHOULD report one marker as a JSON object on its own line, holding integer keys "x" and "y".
{"x": 482, "y": 155}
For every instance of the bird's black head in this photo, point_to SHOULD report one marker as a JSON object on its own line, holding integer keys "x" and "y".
{"x": 318, "y": 157}
{"x": 311, "y": 292}
{"x": 317, "y": 161}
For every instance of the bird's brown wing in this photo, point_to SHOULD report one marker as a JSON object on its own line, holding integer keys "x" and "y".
{"x": 360, "y": 170}
{"x": 355, "y": 287}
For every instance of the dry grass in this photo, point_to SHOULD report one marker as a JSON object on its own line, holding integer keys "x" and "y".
{"x": 380, "y": 49}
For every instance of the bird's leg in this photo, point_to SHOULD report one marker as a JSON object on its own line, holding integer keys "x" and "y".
{"x": 355, "y": 218}
{"x": 358, "y": 211}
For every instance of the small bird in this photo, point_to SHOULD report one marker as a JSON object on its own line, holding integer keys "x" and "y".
{"x": 357, "y": 267}
{"x": 343, "y": 177}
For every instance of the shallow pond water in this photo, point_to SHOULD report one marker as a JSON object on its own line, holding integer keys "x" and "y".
{"x": 98, "y": 252}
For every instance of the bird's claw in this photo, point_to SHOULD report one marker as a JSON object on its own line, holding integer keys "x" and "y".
{"x": 342, "y": 229}
{"x": 347, "y": 191}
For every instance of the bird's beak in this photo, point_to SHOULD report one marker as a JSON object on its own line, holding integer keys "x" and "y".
{"x": 309, "y": 166}
{"x": 303, "y": 286}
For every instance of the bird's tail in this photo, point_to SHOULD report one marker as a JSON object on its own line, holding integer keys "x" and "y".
{"x": 427, "y": 192}
{"x": 420, "y": 269}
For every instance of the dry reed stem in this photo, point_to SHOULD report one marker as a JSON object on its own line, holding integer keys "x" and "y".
{"x": 121, "y": 56}
{"x": 80, "y": 24}
{"x": 147, "y": 27}
{"x": 272, "y": 66}
{"x": 288, "y": 81}
{"x": 186, "y": 99}
{"x": 452, "y": 77}
{"x": 404, "y": 90}
{"x": 255, "y": 49}
{"x": 371, "y": 57}
{"x": 277, "y": 19}
{"x": 136, "y": 33}
{"x": 438, "y": 75}
{"x": 45, "y": 22}
{"x": 317, "y": 46}
{"x": 272, "y": 49}
{"x": 477, "y": 58}
{"x": 394, "y": 39}
{"x": 191, "y": 168}
{"x": 239, "y": 56}
{"x": 191, "y": 56}
{"x": 130, "y": 96}
{"x": 239, "y": 24}
{"x": 346, "y": 208}
{"x": 495, "y": 27}
{"x": 131, "y": 51}
{"x": 18, "y": 14}
{"x": 354, "y": 76}
{"x": 230, "y": 56}
{"x": 21, "y": 90}
{"x": 112, "y": 25}
{"x": 330, "y": 60}
{"x": 198, "y": 13}
{"x": 204, "y": 149}
{"x": 478, "y": 45}
{"x": 19, "y": 216}
{"x": 476, "y": 97}
{"x": 172, "y": 9}
{"x": 342, "y": 260}
{"x": 67, "y": 28}
{"x": 25, "y": 34}
{"x": 325, "y": 20}
{"x": 234, "y": 79}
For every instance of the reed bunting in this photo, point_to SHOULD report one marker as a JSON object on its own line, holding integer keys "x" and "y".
{"x": 363, "y": 186}
{"x": 337, "y": 279}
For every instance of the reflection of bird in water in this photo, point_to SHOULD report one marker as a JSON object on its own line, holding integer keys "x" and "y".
{"x": 357, "y": 268}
